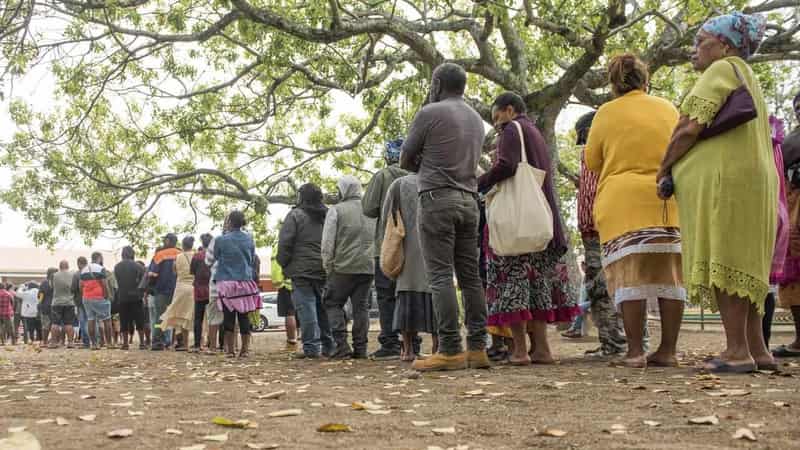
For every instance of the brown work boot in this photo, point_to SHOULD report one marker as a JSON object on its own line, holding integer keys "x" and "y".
{"x": 478, "y": 359}
{"x": 441, "y": 361}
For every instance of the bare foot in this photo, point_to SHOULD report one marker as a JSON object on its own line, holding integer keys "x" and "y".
{"x": 515, "y": 360}
{"x": 662, "y": 360}
{"x": 542, "y": 358}
{"x": 634, "y": 362}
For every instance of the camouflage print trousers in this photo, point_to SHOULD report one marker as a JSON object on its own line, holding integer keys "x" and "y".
{"x": 604, "y": 313}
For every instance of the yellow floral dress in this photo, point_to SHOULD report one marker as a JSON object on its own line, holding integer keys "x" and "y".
{"x": 727, "y": 193}
{"x": 180, "y": 313}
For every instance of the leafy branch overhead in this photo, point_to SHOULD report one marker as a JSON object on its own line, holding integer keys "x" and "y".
{"x": 209, "y": 103}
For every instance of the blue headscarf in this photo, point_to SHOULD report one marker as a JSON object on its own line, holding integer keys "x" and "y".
{"x": 392, "y": 153}
{"x": 741, "y": 31}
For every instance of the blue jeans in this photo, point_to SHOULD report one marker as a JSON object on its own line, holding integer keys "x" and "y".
{"x": 158, "y": 306}
{"x": 83, "y": 326}
{"x": 315, "y": 331}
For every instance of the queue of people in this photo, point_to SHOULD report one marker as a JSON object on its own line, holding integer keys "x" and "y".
{"x": 661, "y": 190}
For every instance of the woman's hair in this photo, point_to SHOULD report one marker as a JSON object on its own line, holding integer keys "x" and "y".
{"x": 128, "y": 253}
{"x": 236, "y": 219}
{"x": 205, "y": 239}
{"x": 188, "y": 243}
{"x": 309, "y": 199}
{"x": 507, "y": 99}
{"x": 627, "y": 73}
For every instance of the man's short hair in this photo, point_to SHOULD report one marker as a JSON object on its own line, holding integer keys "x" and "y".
{"x": 97, "y": 256}
{"x": 82, "y": 261}
{"x": 63, "y": 265}
{"x": 452, "y": 78}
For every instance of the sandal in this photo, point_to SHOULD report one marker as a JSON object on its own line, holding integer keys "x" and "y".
{"x": 497, "y": 354}
{"x": 719, "y": 366}
{"x": 784, "y": 351}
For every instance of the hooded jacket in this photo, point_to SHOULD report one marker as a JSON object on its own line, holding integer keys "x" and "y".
{"x": 299, "y": 246}
{"x": 347, "y": 236}
{"x": 375, "y": 196}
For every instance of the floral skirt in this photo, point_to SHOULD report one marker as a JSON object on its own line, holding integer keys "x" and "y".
{"x": 240, "y": 296}
{"x": 527, "y": 287}
{"x": 644, "y": 265}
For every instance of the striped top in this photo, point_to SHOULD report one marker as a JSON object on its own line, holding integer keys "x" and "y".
{"x": 586, "y": 191}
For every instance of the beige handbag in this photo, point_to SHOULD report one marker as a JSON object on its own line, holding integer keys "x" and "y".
{"x": 392, "y": 255}
{"x": 519, "y": 217}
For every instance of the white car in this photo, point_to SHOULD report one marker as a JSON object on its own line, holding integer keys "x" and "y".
{"x": 269, "y": 312}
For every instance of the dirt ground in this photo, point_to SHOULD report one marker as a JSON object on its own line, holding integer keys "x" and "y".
{"x": 595, "y": 404}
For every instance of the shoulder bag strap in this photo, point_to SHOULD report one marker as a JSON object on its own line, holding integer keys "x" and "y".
{"x": 524, "y": 157}
{"x": 738, "y": 75}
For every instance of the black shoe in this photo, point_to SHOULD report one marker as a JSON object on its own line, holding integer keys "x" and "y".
{"x": 303, "y": 355}
{"x": 385, "y": 355}
{"x": 157, "y": 348}
{"x": 342, "y": 352}
{"x": 360, "y": 355}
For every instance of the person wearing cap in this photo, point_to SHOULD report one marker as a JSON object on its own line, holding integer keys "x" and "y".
{"x": 161, "y": 269}
{"x": 372, "y": 203}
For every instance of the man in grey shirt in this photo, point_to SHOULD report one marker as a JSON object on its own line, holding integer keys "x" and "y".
{"x": 444, "y": 145}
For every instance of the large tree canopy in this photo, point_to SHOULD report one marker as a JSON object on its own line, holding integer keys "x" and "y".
{"x": 218, "y": 102}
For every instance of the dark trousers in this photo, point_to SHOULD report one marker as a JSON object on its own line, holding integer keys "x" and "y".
{"x": 199, "y": 315}
{"x": 769, "y": 313}
{"x": 448, "y": 225}
{"x": 131, "y": 314}
{"x": 315, "y": 331}
{"x": 356, "y": 288}
{"x": 229, "y": 321}
{"x": 31, "y": 329}
{"x": 389, "y": 338}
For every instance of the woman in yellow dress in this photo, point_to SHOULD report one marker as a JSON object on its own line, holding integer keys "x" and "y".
{"x": 179, "y": 316}
{"x": 727, "y": 192}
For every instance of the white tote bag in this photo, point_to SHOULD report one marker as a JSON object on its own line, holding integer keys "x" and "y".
{"x": 519, "y": 217}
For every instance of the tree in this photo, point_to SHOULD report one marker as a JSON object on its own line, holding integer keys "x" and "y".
{"x": 214, "y": 102}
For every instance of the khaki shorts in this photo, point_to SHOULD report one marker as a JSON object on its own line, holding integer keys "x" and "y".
{"x": 213, "y": 313}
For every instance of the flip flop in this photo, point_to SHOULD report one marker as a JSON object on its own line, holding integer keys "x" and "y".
{"x": 784, "y": 351}
{"x": 720, "y": 366}
{"x": 520, "y": 363}
{"x": 772, "y": 367}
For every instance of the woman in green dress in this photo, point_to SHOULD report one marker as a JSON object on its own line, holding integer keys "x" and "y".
{"x": 727, "y": 192}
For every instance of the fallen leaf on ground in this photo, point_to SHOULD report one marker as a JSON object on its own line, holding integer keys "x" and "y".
{"x": 87, "y": 397}
{"x": 684, "y": 401}
{"x": 211, "y": 392}
{"x": 61, "y": 421}
{"x": 660, "y": 391}
{"x": 173, "y": 431}
{"x": 317, "y": 405}
{"x": 443, "y": 431}
{"x": 378, "y": 412}
{"x": 419, "y": 423}
{"x": 286, "y": 413}
{"x": 707, "y": 420}
{"x": 781, "y": 404}
{"x": 756, "y": 425}
{"x": 474, "y": 393}
{"x": 135, "y": 413}
{"x": 121, "y": 433}
{"x": 272, "y": 395}
{"x": 652, "y": 423}
{"x": 261, "y": 446}
{"x": 45, "y": 421}
{"x": 215, "y": 437}
{"x": 485, "y": 383}
{"x": 122, "y": 405}
{"x": 31, "y": 397}
{"x": 617, "y": 428}
{"x": 340, "y": 405}
{"x": 17, "y": 429}
{"x": 222, "y": 421}
{"x": 744, "y": 433}
{"x": 334, "y": 428}
{"x": 194, "y": 447}
{"x": 88, "y": 417}
{"x": 553, "y": 432}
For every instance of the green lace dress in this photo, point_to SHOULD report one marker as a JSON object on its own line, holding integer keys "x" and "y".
{"x": 727, "y": 193}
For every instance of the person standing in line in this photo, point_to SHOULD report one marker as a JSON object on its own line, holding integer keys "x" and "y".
{"x": 347, "y": 242}
{"x": 604, "y": 313}
{"x": 17, "y": 310}
{"x": 46, "y": 304}
{"x": 372, "y": 203}
{"x": 77, "y": 296}
{"x": 96, "y": 290}
{"x": 179, "y": 315}
{"x": 444, "y": 145}
{"x": 62, "y": 311}
{"x": 526, "y": 291}
{"x": 202, "y": 276}
{"x": 414, "y": 312}
{"x": 726, "y": 186}
{"x": 235, "y": 253}
{"x": 285, "y": 303}
{"x": 641, "y": 237}
{"x": 129, "y": 277}
{"x": 144, "y": 291}
{"x": 162, "y": 270}
{"x": 214, "y": 316}
{"x": 28, "y": 293}
{"x": 300, "y": 256}
{"x": 7, "y": 315}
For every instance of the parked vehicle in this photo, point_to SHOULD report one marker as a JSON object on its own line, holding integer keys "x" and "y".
{"x": 269, "y": 312}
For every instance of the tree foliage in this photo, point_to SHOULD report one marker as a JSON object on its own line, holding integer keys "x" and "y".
{"x": 215, "y": 103}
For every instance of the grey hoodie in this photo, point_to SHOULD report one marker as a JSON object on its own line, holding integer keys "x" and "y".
{"x": 347, "y": 236}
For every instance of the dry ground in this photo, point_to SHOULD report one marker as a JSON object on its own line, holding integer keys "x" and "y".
{"x": 506, "y": 408}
